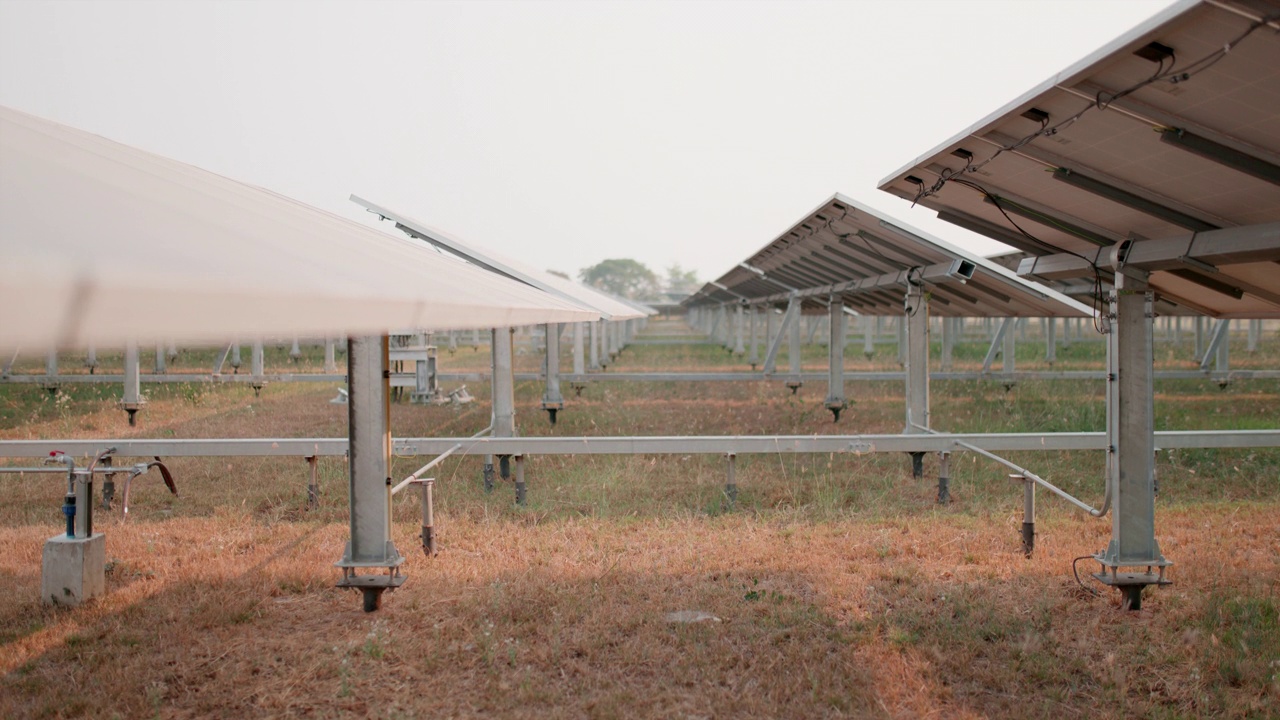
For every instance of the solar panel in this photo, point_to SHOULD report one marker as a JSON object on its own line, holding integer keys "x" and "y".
{"x": 1169, "y": 135}
{"x": 611, "y": 308}
{"x": 846, "y": 249}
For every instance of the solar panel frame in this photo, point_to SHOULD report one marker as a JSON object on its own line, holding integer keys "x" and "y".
{"x": 843, "y": 248}
{"x": 1114, "y": 174}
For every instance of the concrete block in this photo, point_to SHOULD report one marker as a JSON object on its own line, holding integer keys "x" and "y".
{"x": 74, "y": 569}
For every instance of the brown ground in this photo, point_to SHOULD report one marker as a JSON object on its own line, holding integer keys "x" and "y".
{"x": 840, "y": 588}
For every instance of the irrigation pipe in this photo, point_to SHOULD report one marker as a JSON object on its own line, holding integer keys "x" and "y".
{"x": 1095, "y": 512}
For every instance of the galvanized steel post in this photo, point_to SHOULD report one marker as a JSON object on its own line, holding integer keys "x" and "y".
{"x": 916, "y": 319}
{"x": 132, "y": 398}
{"x": 552, "y": 400}
{"x": 369, "y": 427}
{"x": 835, "y": 401}
{"x": 1131, "y": 441}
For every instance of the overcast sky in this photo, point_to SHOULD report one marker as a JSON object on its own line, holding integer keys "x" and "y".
{"x": 559, "y": 133}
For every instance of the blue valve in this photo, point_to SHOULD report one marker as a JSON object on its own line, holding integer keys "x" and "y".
{"x": 69, "y": 509}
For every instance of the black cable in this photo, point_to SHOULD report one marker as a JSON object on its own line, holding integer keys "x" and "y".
{"x": 1172, "y": 75}
{"x": 1084, "y": 587}
{"x": 1097, "y": 272}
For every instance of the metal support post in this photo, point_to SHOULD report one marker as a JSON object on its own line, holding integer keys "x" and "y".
{"x": 1222, "y": 359}
{"x": 1008, "y": 353}
{"x": 997, "y": 342}
{"x": 738, "y": 347}
{"x": 330, "y": 361}
{"x": 1199, "y": 331}
{"x": 595, "y": 344}
{"x": 488, "y": 474}
{"x": 91, "y": 359}
{"x": 948, "y": 341}
{"x": 793, "y": 349}
{"x": 313, "y": 487}
{"x": 160, "y": 364}
{"x": 1131, "y": 443}
{"x": 84, "y": 505}
{"x": 131, "y": 400}
{"x": 731, "y": 483}
{"x": 521, "y": 492}
{"x": 754, "y": 357}
{"x": 552, "y": 400}
{"x": 944, "y": 478}
{"x": 504, "y": 402}
{"x": 1221, "y": 331}
{"x": 915, "y": 322}
{"x": 579, "y": 358}
{"x": 1051, "y": 340}
{"x": 1255, "y": 331}
{"x": 835, "y": 401}
{"x": 868, "y": 336}
{"x": 235, "y": 356}
{"x": 768, "y": 333}
{"x": 1028, "y": 514}
{"x": 579, "y": 362}
{"x": 257, "y": 367}
{"x": 428, "y": 517}
{"x": 51, "y": 370}
{"x": 771, "y": 355}
{"x": 369, "y": 427}
{"x": 902, "y": 342}
{"x": 295, "y": 352}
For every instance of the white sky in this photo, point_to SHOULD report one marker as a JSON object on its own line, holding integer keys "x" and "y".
{"x": 559, "y": 133}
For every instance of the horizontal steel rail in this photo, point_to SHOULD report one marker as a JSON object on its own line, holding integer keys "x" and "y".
{"x": 407, "y": 379}
{"x": 643, "y": 445}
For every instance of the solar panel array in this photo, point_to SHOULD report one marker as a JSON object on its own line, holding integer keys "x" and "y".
{"x": 866, "y": 258}
{"x": 1168, "y": 133}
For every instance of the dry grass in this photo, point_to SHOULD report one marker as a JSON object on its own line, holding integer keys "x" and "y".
{"x": 842, "y": 589}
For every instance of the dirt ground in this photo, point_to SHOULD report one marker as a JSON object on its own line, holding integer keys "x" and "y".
{"x": 834, "y": 587}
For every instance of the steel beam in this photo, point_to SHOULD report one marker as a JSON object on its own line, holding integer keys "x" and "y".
{"x": 789, "y": 318}
{"x": 997, "y": 342}
{"x": 1221, "y": 333}
{"x": 644, "y": 445}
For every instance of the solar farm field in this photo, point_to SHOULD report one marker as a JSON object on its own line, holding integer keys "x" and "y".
{"x": 835, "y": 585}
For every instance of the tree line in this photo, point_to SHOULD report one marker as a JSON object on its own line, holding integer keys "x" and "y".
{"x": 633, "y": 280}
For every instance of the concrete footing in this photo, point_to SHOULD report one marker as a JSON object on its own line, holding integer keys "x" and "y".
{"x": 74, "y": 569}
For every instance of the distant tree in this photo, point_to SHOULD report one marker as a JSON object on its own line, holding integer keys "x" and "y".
{"x": 557, "y": 273}
{"x": 625, "y": 277}
{"x": 681, "y": 281}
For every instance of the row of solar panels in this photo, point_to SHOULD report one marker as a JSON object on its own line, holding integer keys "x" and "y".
{"x": 102, "y": 243}
{"x": 1159, "y": 152}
